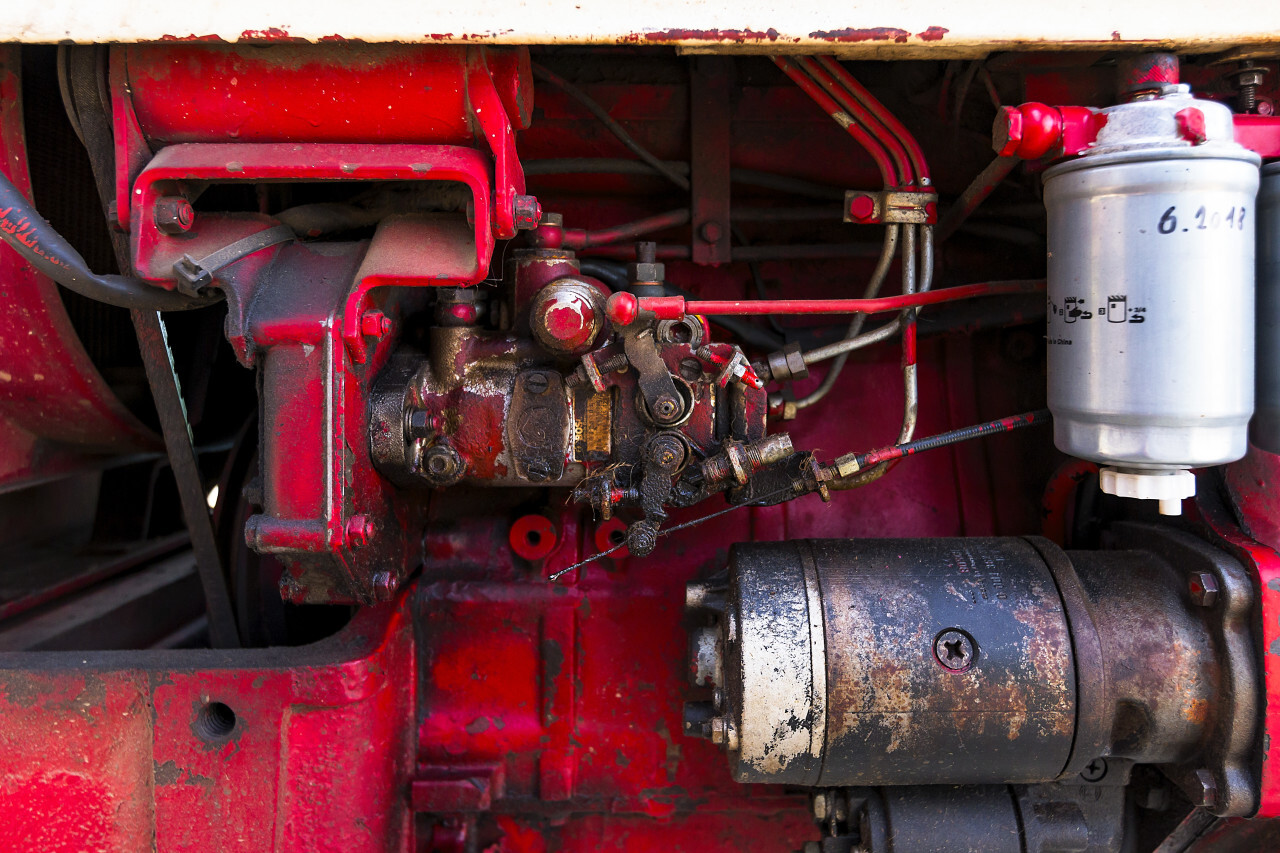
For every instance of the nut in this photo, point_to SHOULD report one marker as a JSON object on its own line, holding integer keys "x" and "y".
{"x": 384, "y": 586}
{"x": 174, "y": 215}
{"x": 1203, "y": 588}
{"x": 1208, "y": 789}
{"x": 526, "y": 212}
{"x": 359, "y": 530}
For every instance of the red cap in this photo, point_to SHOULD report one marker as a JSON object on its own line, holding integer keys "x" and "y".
{"x": 622, "y": 308}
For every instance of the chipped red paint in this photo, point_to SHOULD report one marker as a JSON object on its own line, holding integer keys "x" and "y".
{"x": 112, "y": 751}
{"x": 933, "y": 34}
{"x": 852, "y": 36}
{"x": 734, "y": 36}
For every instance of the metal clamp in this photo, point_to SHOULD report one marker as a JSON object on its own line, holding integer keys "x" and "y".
{"x": 890, "y": 206}
{"x": 193, "y": 275}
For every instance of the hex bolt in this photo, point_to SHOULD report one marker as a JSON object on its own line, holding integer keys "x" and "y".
{"x": 375, "y": 324}
{"x": 1208, "y": 796}
{"x": 536, "y": 383}
{"x": 359, "y": 529}
{"x": 1247, "y": 78}
{"x": 1203, "y": 588}
{"x": 419, "y": 424}
{"x": 526, "y": 212}
{"x": 954, "y": 650}
{"x": 174, "y": 215}
{"x": 1095, "y": 770}
{"x": 384, "y": 586}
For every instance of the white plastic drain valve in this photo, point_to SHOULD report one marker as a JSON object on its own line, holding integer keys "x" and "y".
{"x": 1168, "y": 487}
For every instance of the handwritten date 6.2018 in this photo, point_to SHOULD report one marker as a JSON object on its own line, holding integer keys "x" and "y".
{"x": 1202, "y": 220}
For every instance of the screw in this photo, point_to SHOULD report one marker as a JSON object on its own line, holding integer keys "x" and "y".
{"x": 1204, "y": 589}
{"x": 419, "y": 425}
{"x": 690, "y": 368}
{"x": 443, "y": 466}
{"x": 536, "y": 383}
{"x": 174, "y": 215}
{"x": 1094, "y": 770}
{"x": 384, "y": 586}
{"x": 358, "y": 531}
{"x": 954, "y": 650}
{"x": 1208, "y": 789}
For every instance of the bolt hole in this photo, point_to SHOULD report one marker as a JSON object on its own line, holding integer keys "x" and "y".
{"x": 617, "y": 537}
{"x": 215, "y": 722}
{"x": 533, "y": 537}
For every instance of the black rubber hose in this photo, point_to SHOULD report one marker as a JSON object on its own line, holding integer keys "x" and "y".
{"x": 50, "y": 253}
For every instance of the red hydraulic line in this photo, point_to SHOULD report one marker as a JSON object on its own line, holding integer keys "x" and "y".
{"x": 576, "y": 238}
{"x": 878, "y": 110}
{"x": 861, "y": 114}
{"x": 623, "y": 308}
{"x": 813, "y": 90}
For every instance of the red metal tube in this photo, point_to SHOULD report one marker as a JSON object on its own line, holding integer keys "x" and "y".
{"x": 878, "y": 110}
{"x": 575, "y": 238}
{"x": 828, "y": 104}
{"x": 861, "y": 114}
{"x": 623, "y": 308}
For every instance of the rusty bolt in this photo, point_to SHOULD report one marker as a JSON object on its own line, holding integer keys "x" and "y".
{"x": 526, "y": 212}
{"x": 666, "y": 451}
{"x": 711, "y": 231}
{"x": 375, "y": 324}
{"x": 536, "y": 383}
{"x": 1204, "y": 589}
{"x": 1095, "y": 770}
{"x": 954, "y": 650}
{"x": 719, "y": 729}
{"x": 174, "y": 215}
{"x": 1208, "y": 789}
{"x": 384, "y": 586}
{"x": 359, "y": 529}
{"x": 666, "y": 408}
{"x": 441, "y": 465}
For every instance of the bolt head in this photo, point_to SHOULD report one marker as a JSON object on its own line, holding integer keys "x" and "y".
{"x": 384, "y": 586}
{"x": 375, "y": 324}
{"x": 359, "y": 529}
{"x": 711, "y": 231}
{"x": 526, "y": 212}
{"x": 536, "y": 383}
{"x": 954, "y": 649}
{"x": 1208, "y": 789}
{"x": 1203, "y": 588}
{"x": 862, "y": 208}
{"x": 174, "y": 215}
{"x": 1095, "y": 770}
